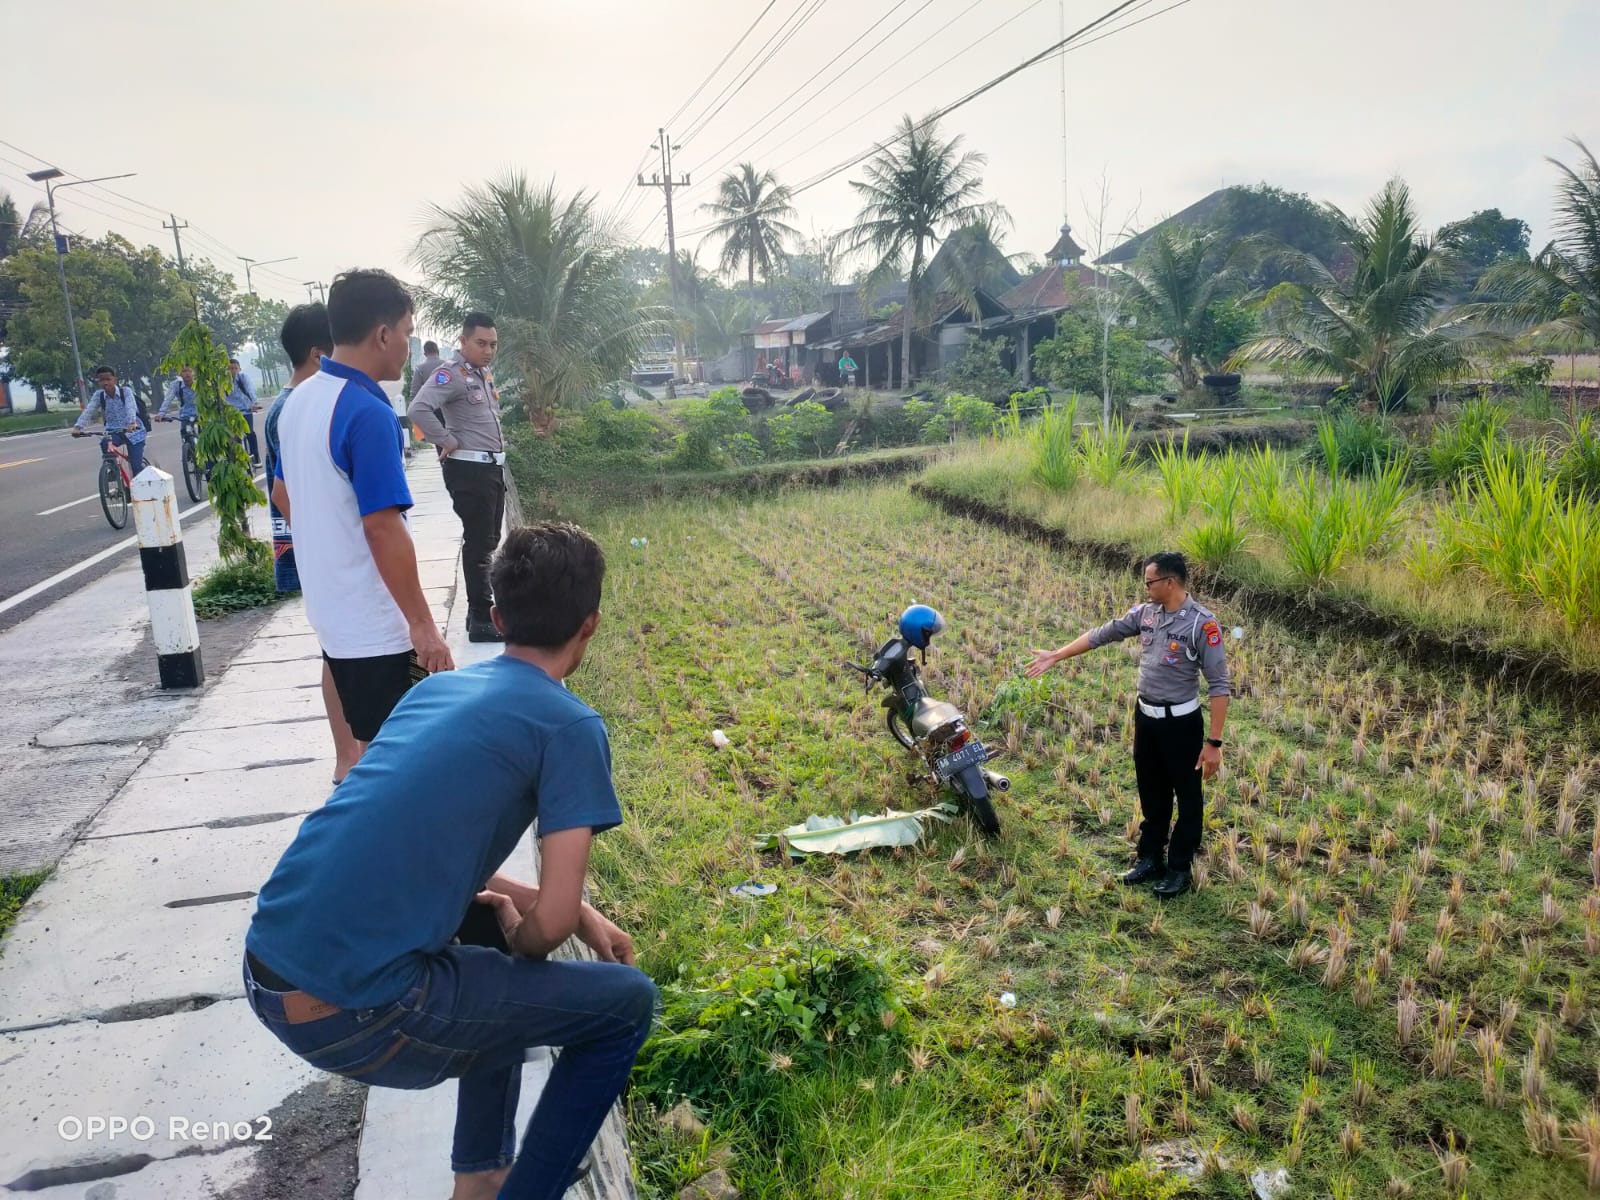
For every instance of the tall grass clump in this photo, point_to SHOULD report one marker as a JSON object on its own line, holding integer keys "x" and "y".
{"x": 1376, "y": 508}
{"x": 1356, "y": 444}
{"x": 1050, "y": 439}
{"x": 1578, "y": 465}
{"x": 1314, "y": 529}
{"x": 1220, "y": 536}
{"x": 1523, "y": 532}
{"x": 1106, "y": 453}
{"x": 1265, "y": 472}
{"x": 1457, "y": 450}
{"x": 1181, "y": 477}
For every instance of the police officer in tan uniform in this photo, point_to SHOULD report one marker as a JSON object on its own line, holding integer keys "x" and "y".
{"x": 1173, "y": 752}
{"x": 458, "y": 410}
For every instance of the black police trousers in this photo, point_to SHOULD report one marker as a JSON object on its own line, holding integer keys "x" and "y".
{"x": 1166, "y": 756}
{"x": 478, "y": 493}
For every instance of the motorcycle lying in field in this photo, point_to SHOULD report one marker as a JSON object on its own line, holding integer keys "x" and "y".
{"x": 934, "y": 730}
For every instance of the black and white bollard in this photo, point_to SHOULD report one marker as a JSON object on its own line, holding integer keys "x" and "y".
{"x": 166, "y": 579}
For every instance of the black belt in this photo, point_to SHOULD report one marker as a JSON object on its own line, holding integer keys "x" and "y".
{"x": 267, "y": 977}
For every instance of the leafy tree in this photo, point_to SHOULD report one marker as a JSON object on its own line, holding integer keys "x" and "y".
{"x": 40, "y": 347}
{"x": 1557, "y": 292}
{"x": 146, "y": 312}
{"x": 220, "y": 443}
{"x": 809, "y": 272}
{"x": 1484, "y": 239}
{"x": 1071, "y": 359}
{"x": 1174, "y": 284}
{"x": 552, "y": 272}
{"x": 752, "y": 210}
{"x": 1223, "y": 328}
{"x": 982, "y": 371}
{"x": 917, "y": 189}
{"x": 1381, "y": 328}
{"x": 1271, "y": 216}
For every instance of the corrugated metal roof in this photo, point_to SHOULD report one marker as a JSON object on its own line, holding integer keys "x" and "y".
{"x": 802, "y": 323}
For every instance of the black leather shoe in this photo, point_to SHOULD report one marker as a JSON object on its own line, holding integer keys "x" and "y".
{"x": 481, "y": 629}
{"x": 1144, "y": 870}
{"x": 1175, "y": 884}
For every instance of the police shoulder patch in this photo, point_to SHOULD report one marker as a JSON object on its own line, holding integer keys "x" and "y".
{"x": 441, "y": 378}
{"x": 1213, "y": 633}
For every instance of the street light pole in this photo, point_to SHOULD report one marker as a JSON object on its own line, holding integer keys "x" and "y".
{"x": 48, "y": 176}
{"x": 251, "y": 263}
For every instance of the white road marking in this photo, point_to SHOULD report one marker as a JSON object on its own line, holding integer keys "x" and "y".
{"x": 68, "y": 504}
{"x": 78, "y": 568}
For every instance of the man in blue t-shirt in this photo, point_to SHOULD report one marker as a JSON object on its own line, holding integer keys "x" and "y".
{"x": 386, "y": 948}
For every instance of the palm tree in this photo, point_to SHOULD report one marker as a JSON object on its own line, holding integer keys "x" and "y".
{"x": 551, "y": 271}
{"x": 918, "y": 187}
{"x": 1559, "y": 291}
{"x": 752, "y": 213}
{"x": 1178, "y": 275}
{"x": 1382, "y": 327}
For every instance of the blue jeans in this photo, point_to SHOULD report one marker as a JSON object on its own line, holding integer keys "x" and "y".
{"x": 135, "y": 451}
{"x": 472, "y": 1018}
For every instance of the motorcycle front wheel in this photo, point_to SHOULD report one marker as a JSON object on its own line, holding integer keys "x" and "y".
{"x": 898, "y": 730}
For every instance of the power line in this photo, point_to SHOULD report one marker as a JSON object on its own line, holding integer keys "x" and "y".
{"x": 821, "y": 81}
{"x": 878, "y": 106}
{"x": 760, "y": 16}
{"x": 781, "y": 37}
{"x": 1074, "y": 41}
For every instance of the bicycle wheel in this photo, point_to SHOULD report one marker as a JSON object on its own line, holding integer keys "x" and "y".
{"x": 113, "y": 495}
{"x": 193, "y": 477}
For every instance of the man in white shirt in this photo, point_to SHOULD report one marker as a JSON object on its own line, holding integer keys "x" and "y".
{"x": 340, "y": 464}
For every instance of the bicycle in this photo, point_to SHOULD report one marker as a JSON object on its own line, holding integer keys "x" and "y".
{"x": 194, "y": 475}
{"x": 116, "y": 483}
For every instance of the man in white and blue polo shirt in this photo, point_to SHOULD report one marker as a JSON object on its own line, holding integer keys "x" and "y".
{"x": 339, "y": 465}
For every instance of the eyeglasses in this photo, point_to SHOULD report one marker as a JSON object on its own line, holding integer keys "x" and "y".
{"x": 1150, "y": 583}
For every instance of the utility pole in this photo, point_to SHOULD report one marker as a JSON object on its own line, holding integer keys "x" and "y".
{"x": 665, "y": 182}
{"x": 48, "y": 176}
{"x": 177, "y": 240}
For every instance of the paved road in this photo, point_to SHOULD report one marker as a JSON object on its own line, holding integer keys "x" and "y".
{"x": 50, "y": 518}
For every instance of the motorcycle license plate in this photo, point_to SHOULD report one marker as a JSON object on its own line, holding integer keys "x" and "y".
{"x": 968, "y": 756}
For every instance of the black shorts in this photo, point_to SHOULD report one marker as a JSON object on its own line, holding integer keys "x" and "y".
{"x": 369, "y": 688}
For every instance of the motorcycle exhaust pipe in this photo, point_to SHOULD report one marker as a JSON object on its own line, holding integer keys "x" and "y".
{"x": 998, "y": 783}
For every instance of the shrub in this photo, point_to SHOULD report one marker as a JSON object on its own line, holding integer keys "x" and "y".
{"x": 806, "y": 428}
{"x": 970, "y": 416}
{"x": 811, "y": 1003}
{"x": 1072, "y": 359}
{"x": 1214, "y": 542}
{"x": 1457, "y": 450}
{"x": 709, "y": 425}
{"x": 234, "y": 587}
{"x": 1356, "y": 444}
{"x": 1376, "y": 509}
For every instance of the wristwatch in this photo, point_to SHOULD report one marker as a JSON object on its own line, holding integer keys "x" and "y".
{"x": 1217, "y": 742}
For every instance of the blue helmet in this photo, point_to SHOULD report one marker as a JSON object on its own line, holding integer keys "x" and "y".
{"x": 919, "y": 623}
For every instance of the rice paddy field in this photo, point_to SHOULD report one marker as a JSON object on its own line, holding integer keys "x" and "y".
{"x": 1384, "y": 984}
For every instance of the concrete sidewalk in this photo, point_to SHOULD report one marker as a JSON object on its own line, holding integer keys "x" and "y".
{"x": 120, "y": 995}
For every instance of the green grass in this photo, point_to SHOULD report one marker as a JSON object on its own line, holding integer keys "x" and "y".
{"x": 29, "y": 422}
{"x": 14, "y": 892}
{"x": 235, "y": 587}
{"x": 1359, "y": 791}
{"x": 1301, "y": 543}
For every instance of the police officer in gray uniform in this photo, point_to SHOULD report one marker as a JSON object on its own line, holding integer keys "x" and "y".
{"x": 1173, "y": 753}
{"x": 458, "y": 410}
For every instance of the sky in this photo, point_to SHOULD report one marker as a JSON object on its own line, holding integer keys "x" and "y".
{"x": 324, "y": 131}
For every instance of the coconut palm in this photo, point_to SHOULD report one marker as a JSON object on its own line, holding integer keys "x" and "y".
{"x": 918, "y": 188}
{"x": 551, "y": 271}
{"x": 1559, "y": 291}
{"x": 1382, "y": 327}
{"x": 752, "y": 213}
{"x": 1173, "y": 283}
